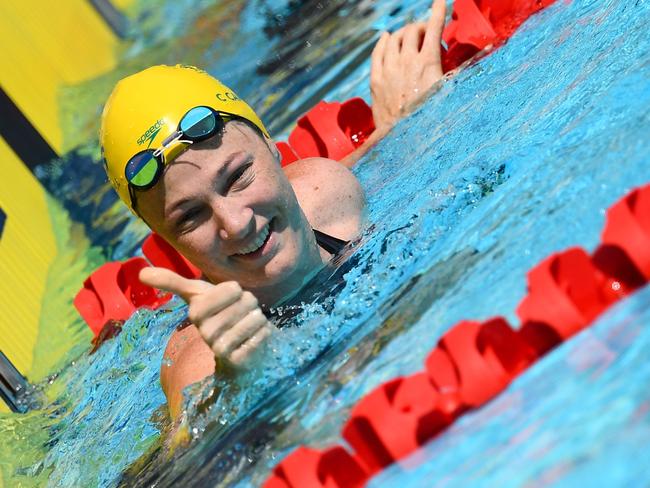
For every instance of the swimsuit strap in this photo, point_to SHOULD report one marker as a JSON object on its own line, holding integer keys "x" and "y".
{"x": 332, "y": 245}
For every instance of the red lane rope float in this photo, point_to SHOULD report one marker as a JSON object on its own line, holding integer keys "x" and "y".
{"x": 331, "y": 130}
{"x": 628, "y": 229}
{"x": 333, "y": 467}
{"x": 334, "y": 130}
{"x": 473, "y": 362}
{"x": 476, "y": 24}
{"x": 113, "y": 292}
{"x": 576, "y": 289}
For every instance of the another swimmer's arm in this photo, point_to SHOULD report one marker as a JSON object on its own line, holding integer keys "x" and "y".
{"x": 405, "y": 66}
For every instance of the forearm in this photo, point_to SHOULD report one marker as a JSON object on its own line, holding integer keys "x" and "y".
{"x": 187, "y": 360}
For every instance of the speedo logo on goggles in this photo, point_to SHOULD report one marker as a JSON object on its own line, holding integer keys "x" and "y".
{"x": 151, "y": 133}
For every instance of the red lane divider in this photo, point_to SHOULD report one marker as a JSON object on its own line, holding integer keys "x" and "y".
{"x": 473, "y": 362}
{"x": 333, "y": 468}
{"x": 113, "y": 292}
{"x": 287, "y": 155}
{"x": 477, "y": 24}
{"x": 467, "y": 33}
{"x": 329, "y": 130}
{"x": 413, "y": 404}
{"x": 628, "y": 228}
{"x": 573, "y": 285}
{"x": 486, "y": 357}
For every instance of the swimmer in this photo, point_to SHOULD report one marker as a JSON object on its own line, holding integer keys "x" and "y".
{"x": 197, "y": 165}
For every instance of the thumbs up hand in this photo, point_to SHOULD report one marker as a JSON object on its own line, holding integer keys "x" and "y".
{"x": 228, "y": 318}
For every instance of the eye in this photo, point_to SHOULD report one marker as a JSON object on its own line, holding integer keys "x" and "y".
{"x": 188, "y": 220}
{"x": 241, "y": 177}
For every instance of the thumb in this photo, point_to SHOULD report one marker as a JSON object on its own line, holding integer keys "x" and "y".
{"x": 167, "y": 280}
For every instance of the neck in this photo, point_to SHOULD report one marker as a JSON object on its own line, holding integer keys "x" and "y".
{"x": 281, "y": 293}
{"x": 312, "y": 261}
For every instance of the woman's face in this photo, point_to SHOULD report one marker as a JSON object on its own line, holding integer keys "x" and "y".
{"x": 228, "y": 207}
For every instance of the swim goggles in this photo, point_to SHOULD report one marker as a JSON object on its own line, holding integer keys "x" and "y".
{"x": 199, "y": 123}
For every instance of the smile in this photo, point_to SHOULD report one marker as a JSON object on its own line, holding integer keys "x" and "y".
{"x": 257, "y": 243}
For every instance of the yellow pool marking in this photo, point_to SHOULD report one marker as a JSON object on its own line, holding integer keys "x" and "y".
{"x": 59, "y": 43}
{"x": 27, "y": 248}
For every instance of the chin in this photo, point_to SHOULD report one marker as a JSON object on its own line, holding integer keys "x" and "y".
{"x": 280, "y": 273}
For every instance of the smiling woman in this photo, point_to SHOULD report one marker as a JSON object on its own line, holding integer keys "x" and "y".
{"x": 196, "y": 163}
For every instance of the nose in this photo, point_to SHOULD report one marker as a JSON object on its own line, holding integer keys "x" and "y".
{"x": 234, "y": 221}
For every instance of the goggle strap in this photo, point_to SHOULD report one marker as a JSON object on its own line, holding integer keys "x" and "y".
{"x": 171, "y": 137}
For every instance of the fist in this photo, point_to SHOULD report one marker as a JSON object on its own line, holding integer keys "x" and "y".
{"x": 228, "y": 318}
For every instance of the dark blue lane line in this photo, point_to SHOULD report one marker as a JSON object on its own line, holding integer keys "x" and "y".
{"x": 12, "y": 385}
{"x": 115, "y": 19}
{"x": 3, "y": 219}
{"x": 21, "y": 135}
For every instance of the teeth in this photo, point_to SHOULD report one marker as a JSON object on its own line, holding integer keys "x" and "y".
{"x": 257, "y": 243}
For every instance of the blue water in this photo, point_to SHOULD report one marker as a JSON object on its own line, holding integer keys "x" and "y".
{"x": 514, "y": 158}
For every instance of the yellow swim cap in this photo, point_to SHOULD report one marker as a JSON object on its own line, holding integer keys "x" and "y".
{"x": 147, "y": 107}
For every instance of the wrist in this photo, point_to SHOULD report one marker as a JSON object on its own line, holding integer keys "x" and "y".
{"x": 381, "y": 130}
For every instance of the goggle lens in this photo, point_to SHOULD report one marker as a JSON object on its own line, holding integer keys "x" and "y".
{"x": 198, "y": 123}
{"x": 142, "y": 169}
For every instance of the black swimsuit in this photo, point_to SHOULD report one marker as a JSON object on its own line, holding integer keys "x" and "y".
{"x": 283, "y": 315}
{"x": 332, "y": 245}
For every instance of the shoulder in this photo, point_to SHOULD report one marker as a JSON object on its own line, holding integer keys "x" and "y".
{"x": 329, "y": 194}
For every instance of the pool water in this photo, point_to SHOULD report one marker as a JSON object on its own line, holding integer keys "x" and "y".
{"x": 514, "y": 158}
